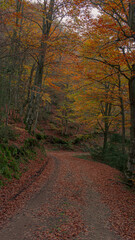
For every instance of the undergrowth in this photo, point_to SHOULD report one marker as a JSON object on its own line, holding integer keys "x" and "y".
{"x": 59, "y": 143}
{"x": 113, "y": 156}
{"x": 9, "y": 163}
{"x": 6, "y": 133}
{"x": 11, "y": 156}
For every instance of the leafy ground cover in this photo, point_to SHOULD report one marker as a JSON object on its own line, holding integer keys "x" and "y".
{"x": 14, "y": 194}
{"x": 71, "y": 199}
{"x": 63, "y": 196}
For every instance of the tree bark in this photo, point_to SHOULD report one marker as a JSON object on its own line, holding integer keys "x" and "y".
{"x": 131, "y": 160}
{"x": 33, "y": 106}
{"x": 29, "y": 90}
{"x": 123, "y": 125}
{"x": 122, "y": 113}
{"x": 105, "y": 138}
{"x": 131, "y": 19}
{"x": 107, "y": 113}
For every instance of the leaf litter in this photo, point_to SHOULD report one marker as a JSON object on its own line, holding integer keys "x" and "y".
{"x": 62, "y": 217}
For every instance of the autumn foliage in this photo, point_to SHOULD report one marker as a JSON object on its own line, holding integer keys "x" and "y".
{"x": 69, "y": 68}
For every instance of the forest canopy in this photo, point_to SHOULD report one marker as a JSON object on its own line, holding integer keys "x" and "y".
{"x": 64, "y": 64}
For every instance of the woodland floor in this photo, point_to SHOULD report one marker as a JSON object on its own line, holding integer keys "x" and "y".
{"x": 67, "y": 198}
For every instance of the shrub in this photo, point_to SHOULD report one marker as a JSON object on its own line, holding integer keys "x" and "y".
{"x": 78, "y": 139}
{"x": 39, "y": 136}
{"x": 67, "y": 146}
{"x": 44, "y": 136}
{"x": 30, "y": 143}
{"x": 15, "y": 151}
{"x": 17, "y": 119}
{"x": 56, "y": 140}
{"x": 116, "y": 138}
{"x": 6, "y": 133}
{"x": 10, "y": 157}
{"x": 112, "y": 157}
{"x": 6, "y": 171}
{"x": 83, "y": 138}
{"x": 8, "y": 165}
{"x": 96, "y": 152}
{"x": 115, "y": 157}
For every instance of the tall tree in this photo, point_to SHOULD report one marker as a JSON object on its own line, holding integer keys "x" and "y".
{"x": 121, "y": 14}
{"x": 33, "y": 107}
{"x": 131, "y": 161}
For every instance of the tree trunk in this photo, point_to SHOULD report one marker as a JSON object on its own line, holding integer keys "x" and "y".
{"x": 105, "y": 137}
{"x": 122, "y": 113}
{"x": 131, "y": 19}
{"x": 33, "y": 106}
{"x": 131, "y": 160}
{"x": 8, "y": 100}
{"x": 106, "y": 112}
{"x": 123, "y": 125}
{"x": 29, "y": 90}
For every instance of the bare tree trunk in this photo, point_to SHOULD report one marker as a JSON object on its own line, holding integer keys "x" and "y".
{"x": 107, "y": 113}
{"x": 131, "y": 161}
{"x": 20, "y": 57}
{"x": 123, "y": 125}
{"x": 122, "y": 113}
{"x": 15, "y": 63}
{"x": 33, "y": 107}
{"x": 131, "y": 19}
{"x": 8, "y": 101}
{"x": 105, "y": 138}
{"x": 29, "y": 90}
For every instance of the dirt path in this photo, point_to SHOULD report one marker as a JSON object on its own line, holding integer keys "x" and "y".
{"x": 66, "y": 207}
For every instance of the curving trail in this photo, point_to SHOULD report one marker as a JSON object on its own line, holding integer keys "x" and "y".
{"x": 69, "y": 205}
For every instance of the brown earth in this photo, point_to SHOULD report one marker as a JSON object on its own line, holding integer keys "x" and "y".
{"x": 72, "y": 199}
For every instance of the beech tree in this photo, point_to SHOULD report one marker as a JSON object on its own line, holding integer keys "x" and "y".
{"x": 131, "y": 161}
{"x": 120, "y": 23}
{"x": 34, "y": 42}
{"x": 32, "y": 110}
{"x": 51, "y": 11}
{"x": 12, "y": 53}
{"x": 124, "y": 18}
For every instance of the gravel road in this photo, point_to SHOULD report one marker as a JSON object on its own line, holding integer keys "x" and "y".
{"x": 67, "y": 206}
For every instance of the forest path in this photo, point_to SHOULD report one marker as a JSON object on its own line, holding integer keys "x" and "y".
{"x": 67, "y": 206}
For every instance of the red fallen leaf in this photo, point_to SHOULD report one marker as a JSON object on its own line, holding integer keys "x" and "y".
{"x": 119, "y": 200}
